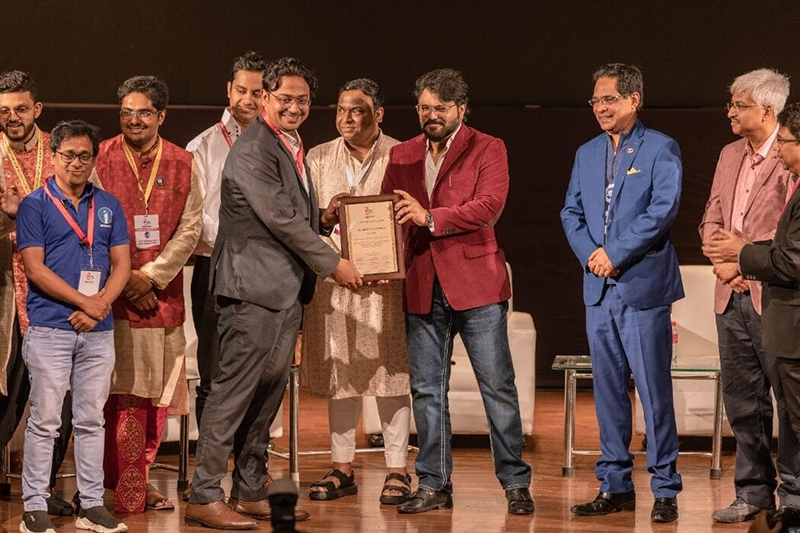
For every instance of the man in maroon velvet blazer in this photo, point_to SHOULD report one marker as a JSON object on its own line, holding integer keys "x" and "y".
{"x": 454, "y": 183}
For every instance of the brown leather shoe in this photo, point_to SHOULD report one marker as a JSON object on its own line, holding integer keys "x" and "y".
{"x": 260, "y": 510}
{"x": 216, "y": 515}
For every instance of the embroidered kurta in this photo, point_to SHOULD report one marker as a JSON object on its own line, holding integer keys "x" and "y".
{"x": 13, "y": 282}
{"x": 353, "y": 343}
{"x": 150, "y": 359}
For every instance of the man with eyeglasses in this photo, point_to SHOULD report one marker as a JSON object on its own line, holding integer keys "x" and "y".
{"x": 158, "y": 185}
{"x": 25, "y": 157}
{"x": 747, "y": 196}
{"x": 620, "y": 205}
{"x": 454, "y": 183}
{"x": 74, "y": 244}
{"x": 266, "y": 260}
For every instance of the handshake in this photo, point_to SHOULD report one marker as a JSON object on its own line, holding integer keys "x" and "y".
{"x": 723, "y": 249}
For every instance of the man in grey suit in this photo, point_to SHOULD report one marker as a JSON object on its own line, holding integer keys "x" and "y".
{"x": 266, "y": 259}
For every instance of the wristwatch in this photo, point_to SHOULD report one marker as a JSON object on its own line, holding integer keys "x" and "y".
{"x": 429, "y": 220}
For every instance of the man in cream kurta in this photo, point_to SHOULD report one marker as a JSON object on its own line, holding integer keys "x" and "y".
{"x": 354, "y": 342}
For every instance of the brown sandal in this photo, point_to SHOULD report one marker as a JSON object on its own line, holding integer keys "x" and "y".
{"x": 155, "y": 501}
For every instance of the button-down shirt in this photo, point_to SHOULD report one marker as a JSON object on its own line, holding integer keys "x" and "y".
{"x": 432, "y": 168}
{"x": 357, "y": 171}
{"x": 210, "y": 149}
{"x": 748, "y": 172}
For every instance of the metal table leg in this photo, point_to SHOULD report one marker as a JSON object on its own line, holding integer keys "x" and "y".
{"x": 716, "y": 444}
{"x": 569, "y": 423}
{"x": 183, "y": 454}
{"x": 294, "y": 395}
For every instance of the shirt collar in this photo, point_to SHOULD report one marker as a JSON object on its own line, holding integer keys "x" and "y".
{"x": 625, "y": 135}
{"x": 88, "y": 190}
{"x": 449, "y": 140}
{"x": 230, "y": 124}
{"x": 371, "y": 149}
{"x": 31, "y": 144}
{"x": 765, "y": 148}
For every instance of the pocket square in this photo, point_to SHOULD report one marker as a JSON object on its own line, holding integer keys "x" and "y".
{"x": 632, "y": 170}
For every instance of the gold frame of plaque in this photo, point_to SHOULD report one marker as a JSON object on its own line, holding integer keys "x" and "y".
{"x": 376, "y": 235}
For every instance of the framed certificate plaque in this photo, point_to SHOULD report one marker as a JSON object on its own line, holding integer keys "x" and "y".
{"x": 371, "y": 238}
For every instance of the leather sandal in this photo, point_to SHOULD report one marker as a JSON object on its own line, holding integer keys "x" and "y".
{"x": 155, "y": 501}
{"x": 347, "y": 486}
{"x": 405, "y": 489}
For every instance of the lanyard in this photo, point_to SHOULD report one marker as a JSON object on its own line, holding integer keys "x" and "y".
{"x": 356, "y": 181}
{"x": 226, "y": 134}
{"x": 146, "y": 193}
{"x": 298, "y": 157}
{"x": 37, "y": 180}
{"x": 86, "y": 239}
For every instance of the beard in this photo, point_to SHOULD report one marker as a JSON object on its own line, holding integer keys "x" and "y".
{"x": 436, "y": 136}
{"x": 25, "y": 135}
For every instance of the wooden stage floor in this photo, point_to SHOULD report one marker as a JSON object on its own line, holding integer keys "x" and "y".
{"x": 480, "y": 505}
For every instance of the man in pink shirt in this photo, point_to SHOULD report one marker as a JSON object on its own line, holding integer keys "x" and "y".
{"x": 747, "y": 196}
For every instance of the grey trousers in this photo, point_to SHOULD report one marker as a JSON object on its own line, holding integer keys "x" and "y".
{"x": 256, "y": 350}
{"x": 748, "y": 374}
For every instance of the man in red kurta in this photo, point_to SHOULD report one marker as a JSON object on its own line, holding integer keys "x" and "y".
{"x": 25, "y": 162}
{"x": 454, "y": 182}
{"x": 156, "y": 183}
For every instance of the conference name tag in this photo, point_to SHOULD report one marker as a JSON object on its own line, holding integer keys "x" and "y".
{"x": 89, "y": 284}
{"x": 147, "y": 233}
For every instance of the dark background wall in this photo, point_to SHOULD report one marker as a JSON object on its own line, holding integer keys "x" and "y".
{"x": 528, "y": 65}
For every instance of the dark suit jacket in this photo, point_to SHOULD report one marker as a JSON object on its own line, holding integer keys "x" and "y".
{"x": 777, "y": 265}
{"x": 268, "y": 251}
{"x": 468, "y": 196}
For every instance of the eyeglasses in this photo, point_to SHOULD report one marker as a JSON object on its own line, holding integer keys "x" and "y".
{"x": 69, "y": 157}
{"x": 606, "y": 100}
{"x": 128, "y": 114}
{"x": 288, "y": 101}
{"x": 738, "y": 107}
{"x": 20, "y": 111}
{"x": 780, "y": 142}
{"x": 438, "y": 109}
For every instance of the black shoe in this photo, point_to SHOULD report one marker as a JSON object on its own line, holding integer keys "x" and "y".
{"x": 664, "y": 510}
{"x": 36, "y": 522}
{"x": 606, "y": 503}
{"x": 425, "y": 500}
{"x": 519, "y": 501}
{"x": 57, "y": 506}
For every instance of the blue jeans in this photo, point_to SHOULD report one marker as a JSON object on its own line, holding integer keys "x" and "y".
{"x": 430, "y": 347}
{"x": 57, "y": 358}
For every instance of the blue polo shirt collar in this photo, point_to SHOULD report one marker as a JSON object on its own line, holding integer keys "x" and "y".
{"x": 88, "y": 191}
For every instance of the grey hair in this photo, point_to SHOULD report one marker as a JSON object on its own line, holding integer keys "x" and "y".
{"x": 629, "y": 78}
{"x": 765, "y": 86}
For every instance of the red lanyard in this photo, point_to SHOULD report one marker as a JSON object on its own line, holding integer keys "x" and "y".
{"x": 226, "y": 134}
{"x": 88, "y": 240}
{"x": 298, "y": 158}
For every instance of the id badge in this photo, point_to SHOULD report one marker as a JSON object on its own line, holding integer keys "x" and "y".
{"x": 146, "y": 231}
{"x": 89, "y": 283}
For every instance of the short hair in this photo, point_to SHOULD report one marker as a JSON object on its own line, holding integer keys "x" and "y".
{"x": 789, "y": 118}
{"x": 250, "y": 61}
{"x": 288, "y": 66}
{"x": 629, "y": 78}
{"x": 152, "y": 87}
{"x": 366, "y": 86}
{"x": 67, "y": 129}
{"x": 765, "y": 86}
{"x": 447, "y": 83}
{"x": 16, "y": 81}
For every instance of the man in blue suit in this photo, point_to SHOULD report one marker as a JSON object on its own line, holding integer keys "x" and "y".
{"x": 622, "y": 200}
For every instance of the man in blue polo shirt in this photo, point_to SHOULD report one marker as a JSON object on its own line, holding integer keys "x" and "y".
{"x": 74, "y": 244}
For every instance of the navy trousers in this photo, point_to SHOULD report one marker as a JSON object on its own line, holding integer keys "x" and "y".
{"x": 624, "y": 341}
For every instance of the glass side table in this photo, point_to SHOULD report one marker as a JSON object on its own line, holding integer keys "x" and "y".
{"x": 577, "y": 367}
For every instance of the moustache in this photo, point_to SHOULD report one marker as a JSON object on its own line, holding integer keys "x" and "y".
{"x": 430, "y": 122}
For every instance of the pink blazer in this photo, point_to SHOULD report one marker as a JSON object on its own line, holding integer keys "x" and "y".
{"x": 468, "y": 196}
{"x": 762, "y": 211}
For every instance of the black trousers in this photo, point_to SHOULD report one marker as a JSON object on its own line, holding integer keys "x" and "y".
{"x": 206, "y": 321}
{"x": 256, "y": 351}
{"x": 12, "y": 407}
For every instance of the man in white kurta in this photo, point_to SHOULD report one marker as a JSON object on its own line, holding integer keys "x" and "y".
{"x": 354, "y": 342}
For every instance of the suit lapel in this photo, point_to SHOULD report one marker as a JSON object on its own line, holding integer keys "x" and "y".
{"x": 769, "y": 165}
{"x": 726, "y": 195}
{"x": 418, "y": 169}
{"x": 628, "y": 156}
{"x": 289, "y": 154}
{"x": 453, "y": 153}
